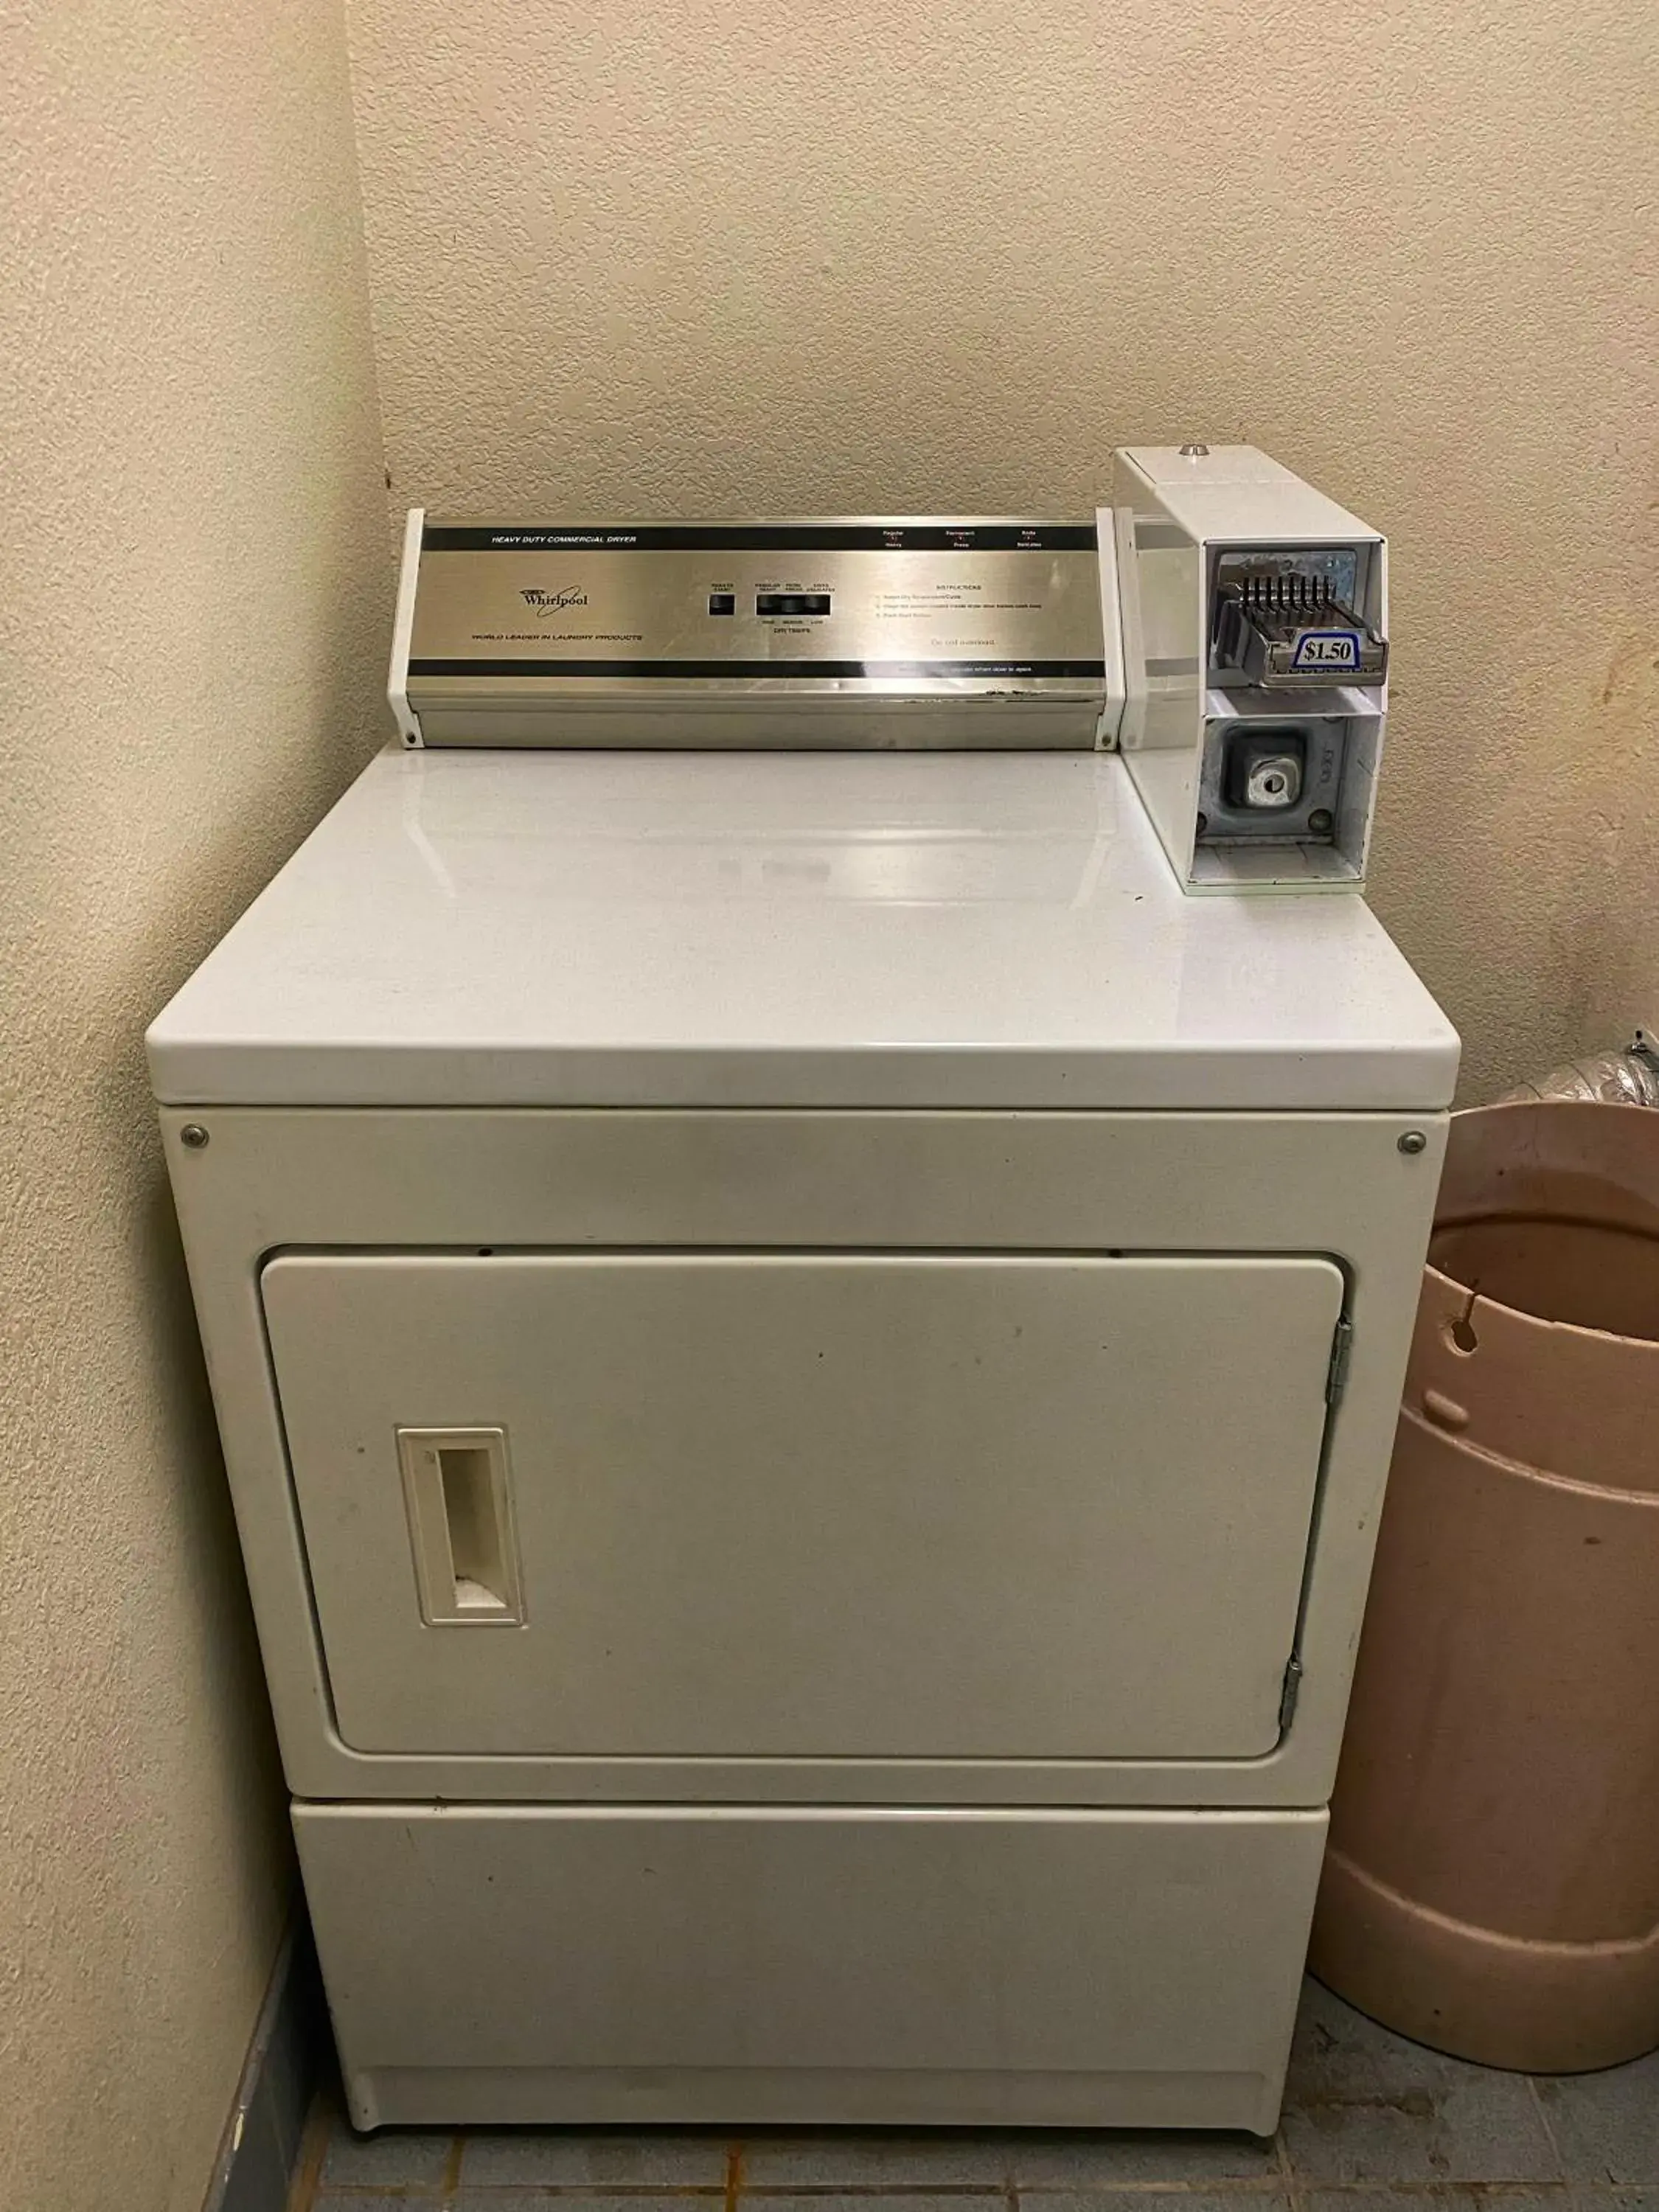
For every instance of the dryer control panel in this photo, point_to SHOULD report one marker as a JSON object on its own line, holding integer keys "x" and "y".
{"x": 847, "y": 631}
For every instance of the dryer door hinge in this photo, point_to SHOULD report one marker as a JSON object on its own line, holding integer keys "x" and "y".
{"x": 1336, "y": 1375}
{"x": 1289, "y": 1693}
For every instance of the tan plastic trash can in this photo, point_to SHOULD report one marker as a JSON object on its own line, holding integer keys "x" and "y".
{"x": 1493, "y": 1883}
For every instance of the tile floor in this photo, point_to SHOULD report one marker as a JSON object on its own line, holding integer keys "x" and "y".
{"x": 1372, "y": 2123}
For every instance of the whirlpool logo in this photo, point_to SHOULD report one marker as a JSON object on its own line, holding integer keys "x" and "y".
{"x": 549, "y": 603}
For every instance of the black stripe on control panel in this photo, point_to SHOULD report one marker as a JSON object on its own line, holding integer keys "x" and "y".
{"x": 667, "y": 671}
{"x": 767, "y": 538}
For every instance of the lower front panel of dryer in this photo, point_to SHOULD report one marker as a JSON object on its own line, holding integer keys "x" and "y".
{"x": 735, "y": 1965}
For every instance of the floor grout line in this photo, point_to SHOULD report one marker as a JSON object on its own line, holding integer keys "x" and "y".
{"x": 452, "y": 2173}
{"x": 1543, "y": 2122}
{"x": 1012, "y": 2187}
{"x": 313, "y": 2148}
{"x": 1013, "y": 2192}
{"x": 1287, "y": 2172}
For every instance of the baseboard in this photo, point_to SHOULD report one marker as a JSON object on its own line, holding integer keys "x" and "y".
{"x": 262, "y": 2140}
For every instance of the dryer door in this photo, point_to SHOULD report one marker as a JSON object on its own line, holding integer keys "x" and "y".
{"x": 811, "y": 1505}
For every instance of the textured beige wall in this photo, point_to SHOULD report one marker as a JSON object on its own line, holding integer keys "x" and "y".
{"x": 191, "y": 621}
{"x": 896, "y": 255}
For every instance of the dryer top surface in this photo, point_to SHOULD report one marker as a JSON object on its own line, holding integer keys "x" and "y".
{"x": 882, "y": 930}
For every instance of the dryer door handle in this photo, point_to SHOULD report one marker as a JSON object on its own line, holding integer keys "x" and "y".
{"x": 459, "y": 1500}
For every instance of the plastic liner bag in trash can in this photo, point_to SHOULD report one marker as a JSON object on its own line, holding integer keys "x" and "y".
{"x": 1493, "y": 1883}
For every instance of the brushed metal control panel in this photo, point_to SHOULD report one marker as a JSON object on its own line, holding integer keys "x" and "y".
{"x": 848, "y": 631}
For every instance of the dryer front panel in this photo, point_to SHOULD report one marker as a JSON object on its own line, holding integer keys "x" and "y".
{"x": 814, "y": 1504}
